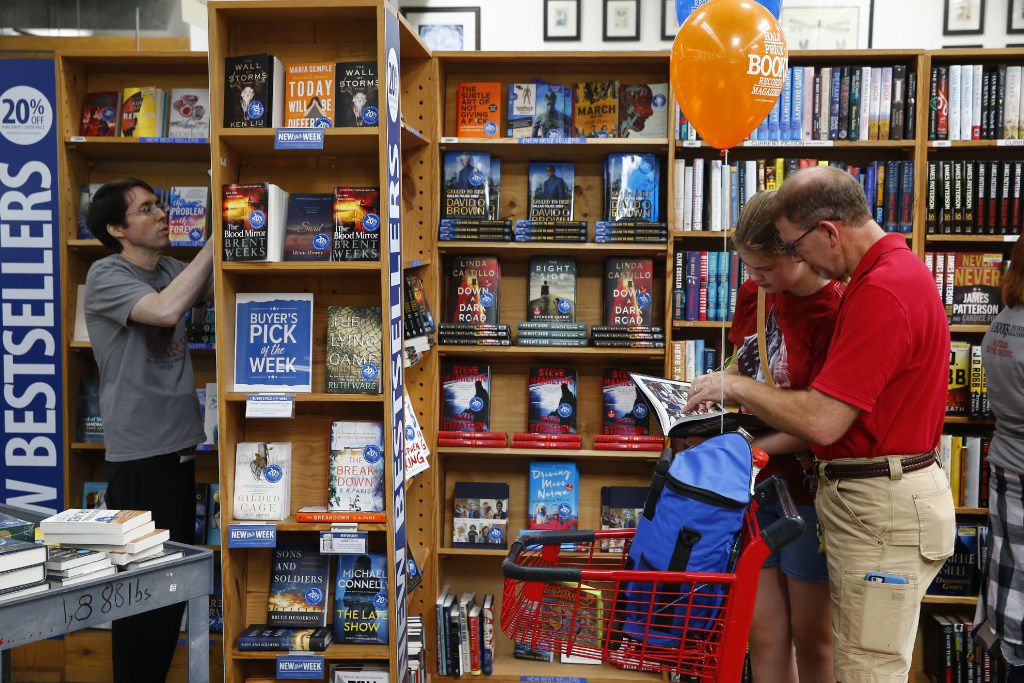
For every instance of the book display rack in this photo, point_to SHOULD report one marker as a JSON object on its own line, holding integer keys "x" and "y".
{"x": 406, "y": 162}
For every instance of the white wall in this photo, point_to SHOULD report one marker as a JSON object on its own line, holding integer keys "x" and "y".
{"x": 519, "y": 25}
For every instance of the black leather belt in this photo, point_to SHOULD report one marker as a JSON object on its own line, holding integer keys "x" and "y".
{"x": 870, "y": 470}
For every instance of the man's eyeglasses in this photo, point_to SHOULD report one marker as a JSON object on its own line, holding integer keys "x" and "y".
{"x": 149, "y": 210}
{"x": 790, "y": 247}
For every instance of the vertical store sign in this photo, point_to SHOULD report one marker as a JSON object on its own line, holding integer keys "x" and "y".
{"x": 30, "y": 307}
{"x": 393, "y": 270}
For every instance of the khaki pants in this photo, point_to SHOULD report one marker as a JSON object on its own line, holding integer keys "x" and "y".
{"x": 903, "y": 524}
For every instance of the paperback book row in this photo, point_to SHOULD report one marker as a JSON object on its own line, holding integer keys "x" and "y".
{"x": 975, "y": 102}
{"x": 838, "y": 103}
{"x": 262, "y": 222}
{"x": 89, "y": 421}
{"x": 355, "y": 475}
{"x": 952, "y": 654}
{"x": 968, "y": 284}
{"x": 590, "y": 109}
{"x": 968, "y": 385}
{"x": 187, "y": 211}
{"x": 481, "y": 509}
{"x": 274, "y": 345}
{"x": 471, "y": 189}
{"x": 711, "y": 195}
{"x": 974, "y": 198}
{"x": 473, "y": 294}
{"x": 693, "y": 357}
{"x": 146, "y": 112}
{"x": 300, "y": 599}
{"x": 964, "y": 459}
{"x": 552, "y": 421}
{"x": 260, "y": 92}
{"x": 705, "y": 284}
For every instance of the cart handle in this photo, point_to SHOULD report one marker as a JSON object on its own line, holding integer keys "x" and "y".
{"x": 787, "y": 528}
{"x": 512, "y": 570}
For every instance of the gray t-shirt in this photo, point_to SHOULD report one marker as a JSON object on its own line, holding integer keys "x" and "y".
{"x": 147, "y": 391}
{"x": 1002, "y": 352}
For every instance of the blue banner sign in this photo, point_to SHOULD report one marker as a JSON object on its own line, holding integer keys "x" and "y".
{"x": 30, "y": 304}
{"x": 252, "y": 535}
{"x": 299, "y": 138}
{"x": 300, "y": 667}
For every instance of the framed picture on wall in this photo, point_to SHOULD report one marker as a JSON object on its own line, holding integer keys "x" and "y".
{"x": 827, "y": 24}
{"x": 446, "y": 28}
{"x": 963, "y": 17}
{"x": 1015, "y": 16}
{"x": 621, "y": 20}
{"x": 561, "y": 20}
{"x": 670, "y": 20}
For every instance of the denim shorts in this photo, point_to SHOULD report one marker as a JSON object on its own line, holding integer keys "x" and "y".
{"x": 804, "y": 558}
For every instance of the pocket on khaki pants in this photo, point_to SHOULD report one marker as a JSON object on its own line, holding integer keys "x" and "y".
{"x": 936, "y": 519}
{"x": 876, "y": 617}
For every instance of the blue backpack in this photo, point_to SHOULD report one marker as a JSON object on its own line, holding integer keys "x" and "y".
{"x": 691, "y": 522}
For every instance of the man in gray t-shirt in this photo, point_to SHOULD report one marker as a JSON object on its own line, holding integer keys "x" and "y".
{"x": 135, "y": 305}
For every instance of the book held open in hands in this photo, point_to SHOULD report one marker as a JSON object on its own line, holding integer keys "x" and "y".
{"x": 668, "y": 397}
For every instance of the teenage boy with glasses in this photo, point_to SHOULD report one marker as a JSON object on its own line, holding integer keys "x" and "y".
{"x": 877, "y": 407}
{"x": 135, "y": 305}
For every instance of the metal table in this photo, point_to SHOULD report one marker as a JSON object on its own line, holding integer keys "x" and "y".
{"x": 59, "y": 611}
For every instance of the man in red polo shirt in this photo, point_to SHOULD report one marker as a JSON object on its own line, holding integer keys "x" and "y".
{"x": 877, "y": 409}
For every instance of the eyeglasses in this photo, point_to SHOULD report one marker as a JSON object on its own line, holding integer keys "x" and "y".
{"x": 790, "y": 247}
{"x": 149, "y": 210}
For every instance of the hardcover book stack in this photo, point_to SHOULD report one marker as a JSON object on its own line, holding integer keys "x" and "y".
{"x": 626, "y": 415}
{"x": 466, "y": 406}
{"x": 968, "y": 285}
{"x": 551, "y": 304}
{"x": 975, "y": 102}
{"x": 551, "y": 186}
{"x": 419, "y": 320}
{"x": 22, "y": 568}
{"x": 465, "y": 633}
{"x": 474, "y": 303}
{"x": 129, "y": 537}
{"x": 470, "y": 192}
{"x": 628, "y": 306}
{"x": 968, "y": 386}
{"x": 632, "y": 196}
{"x": 553, "y": 410}
{"x": 974, "y": 198}
{"x": 838, "y": 103}
{"x": 705, "y": 284}
{"x": 711, "y": 195}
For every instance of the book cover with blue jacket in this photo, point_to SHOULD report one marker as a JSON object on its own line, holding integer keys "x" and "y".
{"x": 632, "y": 187}
{"x": 554, "y": 496}
{"x": 361, "y": 599}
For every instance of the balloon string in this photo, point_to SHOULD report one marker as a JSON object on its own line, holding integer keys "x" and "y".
{"x": 725, "y": 248}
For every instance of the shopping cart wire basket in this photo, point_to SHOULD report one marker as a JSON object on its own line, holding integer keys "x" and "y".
{"x": 575, "y": 601}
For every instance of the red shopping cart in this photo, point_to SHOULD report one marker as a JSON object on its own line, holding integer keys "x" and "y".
{"x": 577, "y": 601}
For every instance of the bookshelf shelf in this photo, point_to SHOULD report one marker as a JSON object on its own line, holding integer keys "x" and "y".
{"x": 302, "y": 267}
{"x": 528, "y": 453}
{"x": 809, "y": 145}
{"x": 968, "y": 329}
{"x": 585, "y": 252}
{"x": 338, "y": 142}
{"x": 964, "y": 420}
{"x": 522, "y": 354}
{"x": 701, "y": 234}
{"x": 701, "y": 324}
{"x": 971, "y": 511}
{"x": 973, "y": 239}
{"x": 81, "y": 446}
{"x": 95, "y": 249}
{"x": 240, "y": 397}
{"x": 973, "y": 144}
{"x": 421, "y": 262}
{"x": 471, "y": 552}
{"x": 508, "y": 669}
{"x": 334, "y": 651}
{"x": 291, "y": 525}
{"x": 412, "y": 137}
{"x": 589, "y": 149}
{"x": 950, "y": 600}
{"x": 131, "y": 149}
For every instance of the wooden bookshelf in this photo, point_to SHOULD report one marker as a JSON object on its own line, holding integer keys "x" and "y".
{"x": 355, "y": 30}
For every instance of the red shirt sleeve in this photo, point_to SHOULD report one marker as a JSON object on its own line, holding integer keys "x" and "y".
{"x": 744, "y": 318}
{"x": 869, "y": 346}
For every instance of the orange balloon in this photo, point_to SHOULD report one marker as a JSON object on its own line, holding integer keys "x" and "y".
{"x": 728, "y": 67}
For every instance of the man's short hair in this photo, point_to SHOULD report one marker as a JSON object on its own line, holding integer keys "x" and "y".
{"x": 821, "y": 193}
{"x": 108, "y": 207}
